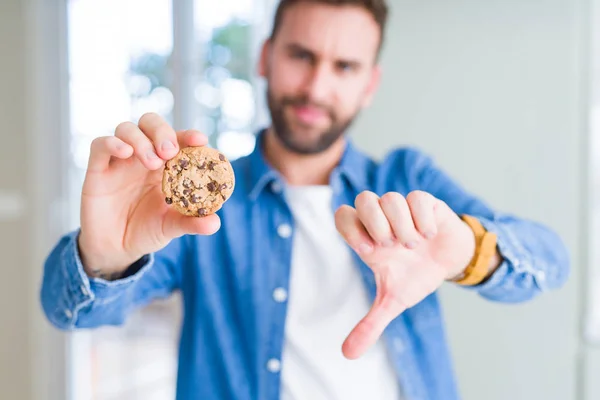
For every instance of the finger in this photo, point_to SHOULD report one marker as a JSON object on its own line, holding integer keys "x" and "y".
{"x": 176, "y": 224}
{"x": 352, "y": 230}
{"x": 398, "y": 214}
{"x": 103, "y": 148}
{"x": 421, "y": 206}
{"x": 191, "y": 137}
{"x": 372, "y": 217}
{"x": 371, "y": 327}
{"x": 142, "y": 146}
{"x": 160, "y": 133}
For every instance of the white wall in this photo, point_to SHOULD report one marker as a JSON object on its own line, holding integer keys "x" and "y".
{"x": 495, "y": 91}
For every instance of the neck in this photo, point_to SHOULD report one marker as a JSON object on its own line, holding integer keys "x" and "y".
{"x": 302, "y": 169}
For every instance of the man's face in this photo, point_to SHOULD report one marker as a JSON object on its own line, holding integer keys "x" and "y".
{"x": 320, "y": 70}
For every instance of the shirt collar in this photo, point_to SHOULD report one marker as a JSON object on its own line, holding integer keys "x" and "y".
{"x": 354, "y": 166}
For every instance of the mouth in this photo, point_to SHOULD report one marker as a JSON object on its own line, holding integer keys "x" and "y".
{"x": 309, "y": 115}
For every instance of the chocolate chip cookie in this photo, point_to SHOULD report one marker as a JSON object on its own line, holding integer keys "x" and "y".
{"x": 197, "y": 181}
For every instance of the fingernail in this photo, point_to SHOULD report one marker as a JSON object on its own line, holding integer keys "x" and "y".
{"x": 411, "y": 245}
{"x": 151, "y": 156}
{"x": 365, "y": 248}
{"x": 167, "y": 145}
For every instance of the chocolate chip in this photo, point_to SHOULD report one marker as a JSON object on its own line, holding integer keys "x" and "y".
{"x": 170, "y": 179}
{"x": 168, "y": 200}
{"x": 211, "y": 166}
{"x": 184, "y": 202}
{"x": 186, "y": 191}
{"x": 221, "y": 157}
{"x": 211, "y": 186}
{"x": 183, "y": 163}
{"x": 223, "y": 186}
{"x": 195, "y": 198}
{"x": 202, "y": 166}
{"x": 223, "y": 197}
{"x": 202, "y": 212}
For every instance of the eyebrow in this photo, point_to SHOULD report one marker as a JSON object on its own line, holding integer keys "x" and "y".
{"x": 298, "y": 48}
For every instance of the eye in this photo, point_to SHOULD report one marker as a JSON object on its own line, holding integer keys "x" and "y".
{"x": 344, "y": 66}
{"x": 302, "y": 55}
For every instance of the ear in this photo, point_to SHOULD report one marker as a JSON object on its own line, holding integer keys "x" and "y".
{"x": 372, "y": 86}
{"x": 264, "y": 59}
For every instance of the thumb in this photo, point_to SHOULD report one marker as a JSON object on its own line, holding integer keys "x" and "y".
{"x": 443, "y": 214}
{"x": 371, "y": 327}
{"x": 176, "y": 224}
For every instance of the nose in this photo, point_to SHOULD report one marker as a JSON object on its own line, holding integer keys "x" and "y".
{"x": 319, "y": 84}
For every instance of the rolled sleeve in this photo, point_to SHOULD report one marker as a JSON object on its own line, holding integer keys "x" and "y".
{"x": 524, "y": 271}
{"x": 67, "y": 289}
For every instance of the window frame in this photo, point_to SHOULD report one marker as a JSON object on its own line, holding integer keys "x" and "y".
{"x": 46, "y": 55}
{"x": 592, "y": 222}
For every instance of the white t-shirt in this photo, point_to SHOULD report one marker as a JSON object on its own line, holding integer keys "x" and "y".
{"x": 326, "y": 299}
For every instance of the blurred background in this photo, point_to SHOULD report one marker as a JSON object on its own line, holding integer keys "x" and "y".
{"x": 505, "y": 94}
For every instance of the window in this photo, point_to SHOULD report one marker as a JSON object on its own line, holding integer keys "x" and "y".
{"x": 192, "y": 62}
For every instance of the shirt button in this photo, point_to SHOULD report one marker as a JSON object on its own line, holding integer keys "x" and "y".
{"x": 276, "y": 187}
{"x": 68, "y": 313}
{"x": 284, "y": 231}
{"x": 280, "y": 295}
{"x": 274, "y": 365}
{"x": 540, "y": 275}
{"x": 336, "y": 187}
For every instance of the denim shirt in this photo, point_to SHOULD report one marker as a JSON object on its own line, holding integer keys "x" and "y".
{"x": 233, "y": 328}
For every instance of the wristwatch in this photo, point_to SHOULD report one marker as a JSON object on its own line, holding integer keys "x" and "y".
{"x": 485, "y": 248}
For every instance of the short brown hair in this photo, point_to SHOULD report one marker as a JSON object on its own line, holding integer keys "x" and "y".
{"x": 377, "y": 8}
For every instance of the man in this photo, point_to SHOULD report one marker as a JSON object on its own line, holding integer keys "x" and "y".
{"x": 318, "y": 278}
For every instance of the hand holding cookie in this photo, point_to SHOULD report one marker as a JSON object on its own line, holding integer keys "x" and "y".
{"x": 124, "y": 214}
